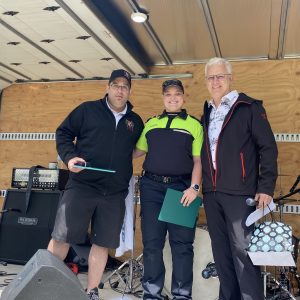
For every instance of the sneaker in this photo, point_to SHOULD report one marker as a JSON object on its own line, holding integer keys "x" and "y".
{"x": 93, "y": 294}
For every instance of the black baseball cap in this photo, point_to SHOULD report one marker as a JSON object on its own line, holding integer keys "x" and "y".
{"x": 172, "y": 82}
{"x": 120, "y": 73}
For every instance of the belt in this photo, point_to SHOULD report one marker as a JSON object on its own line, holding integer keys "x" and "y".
{"x": 166, "y": 179}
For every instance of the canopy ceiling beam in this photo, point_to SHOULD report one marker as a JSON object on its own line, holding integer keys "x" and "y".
{"x": 33, "y": 44}
{"x": 211, "y": 27}
{"x": 151, "y": 32}
{"x": 283, "y": 28}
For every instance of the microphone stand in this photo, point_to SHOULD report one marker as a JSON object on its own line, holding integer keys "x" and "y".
{"x": 280, "y": 203}
{"x": 295, "y": 184}
{"x": 286, "y": 196}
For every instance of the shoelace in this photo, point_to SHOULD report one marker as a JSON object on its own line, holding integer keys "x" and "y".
{"x": 93, "y": 295}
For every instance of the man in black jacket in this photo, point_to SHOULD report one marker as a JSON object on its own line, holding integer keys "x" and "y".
{"x": 239, "y": 160}
{"x": 103, "y": 134}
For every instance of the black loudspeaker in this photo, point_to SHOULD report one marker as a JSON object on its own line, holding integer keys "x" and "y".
{"x": 44, "y": 277}
{"x": 79, "y": 255}
{"x": 23, "y": 233}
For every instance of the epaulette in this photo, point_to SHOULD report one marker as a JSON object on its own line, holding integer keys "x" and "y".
{"x": 157, "y": 116}
{"x": 195, "y": 118}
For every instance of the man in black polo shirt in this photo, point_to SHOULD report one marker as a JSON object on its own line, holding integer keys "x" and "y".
{"x": 172, "y": 142}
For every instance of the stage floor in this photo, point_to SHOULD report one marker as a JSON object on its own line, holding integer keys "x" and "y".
{"x": 105, "y": 294}
{"x": 7, "y": 273}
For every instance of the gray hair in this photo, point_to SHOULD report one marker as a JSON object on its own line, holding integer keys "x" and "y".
{"x": 219, "y": 61}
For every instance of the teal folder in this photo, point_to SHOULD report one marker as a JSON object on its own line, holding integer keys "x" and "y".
{"x": 173, "y": 211}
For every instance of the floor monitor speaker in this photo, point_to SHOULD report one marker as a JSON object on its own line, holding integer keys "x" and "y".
{"x": 44, "y": 277}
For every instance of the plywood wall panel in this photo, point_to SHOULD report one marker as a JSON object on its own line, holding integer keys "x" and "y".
{"x": 288, "y": 167}
{"x": 40, "y": 107}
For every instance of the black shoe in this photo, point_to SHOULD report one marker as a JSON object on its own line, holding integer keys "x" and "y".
{"x": 93, "y": 294}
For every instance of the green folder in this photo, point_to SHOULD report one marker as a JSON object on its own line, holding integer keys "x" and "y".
{"x": 173, "y": 211}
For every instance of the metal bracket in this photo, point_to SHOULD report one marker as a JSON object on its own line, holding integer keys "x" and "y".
{"x": 287, "y": 137}
{"x": 27, "y": 136}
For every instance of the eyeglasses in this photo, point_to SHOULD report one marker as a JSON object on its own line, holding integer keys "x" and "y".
{"x": 115, "y": 87}
{"x": 219, "y": 77}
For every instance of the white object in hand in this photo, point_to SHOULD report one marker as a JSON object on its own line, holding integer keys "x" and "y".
{"x": 259, "y": 213}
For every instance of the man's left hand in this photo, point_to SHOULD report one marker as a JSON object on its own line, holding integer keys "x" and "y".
{"x": 189, "y": 195}
{"x": 263, "y": 200}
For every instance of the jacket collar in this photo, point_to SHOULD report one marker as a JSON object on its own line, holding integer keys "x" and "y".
{"x": 242, "y": 99}
{"x": 228, "y": 98}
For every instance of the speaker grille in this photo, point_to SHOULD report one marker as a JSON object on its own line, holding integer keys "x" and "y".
{"x": 22, "y": 234}
{"x": 44, "y": 277}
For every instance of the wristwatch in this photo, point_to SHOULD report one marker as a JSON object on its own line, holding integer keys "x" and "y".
{"x": 195, "y": 187}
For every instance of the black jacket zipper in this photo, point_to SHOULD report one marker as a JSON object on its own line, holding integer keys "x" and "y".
{"x": 227, "y": 118}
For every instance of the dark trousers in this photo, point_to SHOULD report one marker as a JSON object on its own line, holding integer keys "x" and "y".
{"x": 226, "y": 215}
{"x": 154, "y": 235}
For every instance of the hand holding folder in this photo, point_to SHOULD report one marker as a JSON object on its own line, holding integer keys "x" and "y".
{"x": 173, "y": 211}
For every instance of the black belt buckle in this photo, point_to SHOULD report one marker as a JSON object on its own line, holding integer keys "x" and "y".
{"x": 160, "y": 178}
{"x": 166, "y": 179}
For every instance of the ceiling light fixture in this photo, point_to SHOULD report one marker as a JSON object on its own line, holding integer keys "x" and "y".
{"x": 139, "y": 17}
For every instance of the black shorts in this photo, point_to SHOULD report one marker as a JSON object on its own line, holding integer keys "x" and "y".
{"x": 82, "y": 204}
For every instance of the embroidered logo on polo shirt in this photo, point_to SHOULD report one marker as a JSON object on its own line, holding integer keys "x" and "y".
{"x": 129, "y": 124}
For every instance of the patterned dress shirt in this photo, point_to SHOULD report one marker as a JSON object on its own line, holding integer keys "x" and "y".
{"x": 216, "y": 120}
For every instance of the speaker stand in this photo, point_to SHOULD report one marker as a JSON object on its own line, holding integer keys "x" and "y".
{"x": 265, "y": 274}
{"x": 128, "y": 277}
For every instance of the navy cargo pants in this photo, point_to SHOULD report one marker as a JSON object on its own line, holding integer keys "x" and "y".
{"x": 154, "y": 233}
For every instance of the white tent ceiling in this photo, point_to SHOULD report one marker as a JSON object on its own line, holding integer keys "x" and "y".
{"x": 43, "y": 40}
